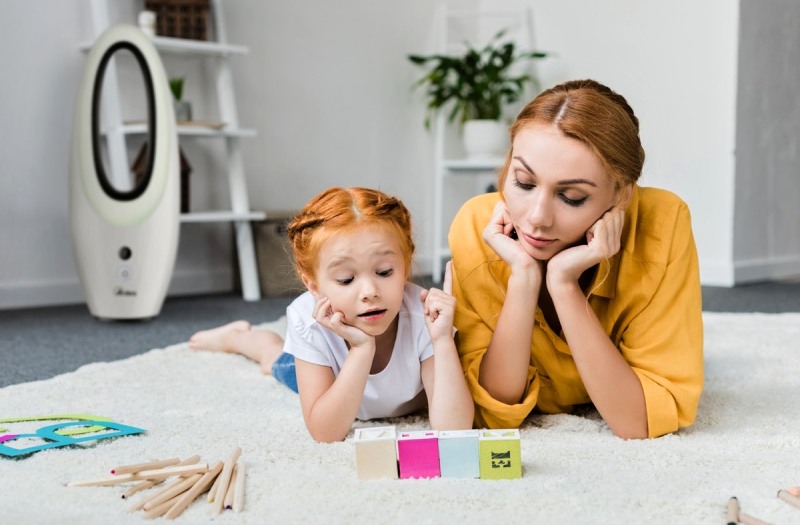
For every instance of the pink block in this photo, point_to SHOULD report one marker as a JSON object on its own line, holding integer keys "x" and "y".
{"x": 418, "y": 454}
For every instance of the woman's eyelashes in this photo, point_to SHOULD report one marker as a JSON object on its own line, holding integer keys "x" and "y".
{"x": 523, "y": 185}
{"x": 572, "y": 202}
{"x": 528, "y": 186}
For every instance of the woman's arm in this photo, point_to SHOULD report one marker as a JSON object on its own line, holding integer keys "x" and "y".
{"x": 504, "y": 369}
{"x": 450, "y": 405}
{"x": 610, "y": 381}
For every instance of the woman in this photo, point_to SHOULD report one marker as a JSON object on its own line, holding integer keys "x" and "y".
{"x": 573, "y": 284}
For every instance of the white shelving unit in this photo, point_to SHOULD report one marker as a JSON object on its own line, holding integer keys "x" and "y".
{"x": 449, "y": 163}
{"x": 239, "y": 214}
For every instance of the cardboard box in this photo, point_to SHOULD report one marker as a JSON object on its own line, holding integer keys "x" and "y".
{"x": 274, "y": 256}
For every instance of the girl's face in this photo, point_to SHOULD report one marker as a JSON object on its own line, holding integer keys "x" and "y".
{"x": 555, "y": 189}
{"x": 362, "y": 273}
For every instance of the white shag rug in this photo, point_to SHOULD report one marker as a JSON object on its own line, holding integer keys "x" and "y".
{"x": 746, "y": 442}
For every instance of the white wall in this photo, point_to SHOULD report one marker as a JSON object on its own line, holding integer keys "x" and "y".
{"x": 675, "y": 62}
{"x": 767, "y": 220}
{"x": 326, "y": 84}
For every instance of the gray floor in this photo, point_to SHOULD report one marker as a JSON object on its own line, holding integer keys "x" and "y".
{"x": 43, "y": 342}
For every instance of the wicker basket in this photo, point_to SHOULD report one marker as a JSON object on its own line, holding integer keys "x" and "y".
{"x": 181, "y": 18}
{"x": 274, "y": 255}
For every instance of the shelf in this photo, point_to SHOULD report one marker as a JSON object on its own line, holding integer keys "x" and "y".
{"x": 222, "y": 216}
{"x": 473, "y": 164}
{"x": 193, "y": 130}
{"x": 183, "y": 46}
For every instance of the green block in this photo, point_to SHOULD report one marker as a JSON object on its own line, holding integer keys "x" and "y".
{"x": 500, "y": 455}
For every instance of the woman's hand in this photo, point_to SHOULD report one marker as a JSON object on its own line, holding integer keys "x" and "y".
{"x": 501, "y": 237}
{"x": 323, "y": 313}
{"x": 603, "y": 241}
{"x": 440, "y": 307}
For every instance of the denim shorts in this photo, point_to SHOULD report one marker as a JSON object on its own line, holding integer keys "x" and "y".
{"x": 283, "y": 370}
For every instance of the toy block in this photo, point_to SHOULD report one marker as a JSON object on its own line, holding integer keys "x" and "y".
{"x": 500, "y": 456}
{"x": 418, "y": 454}
{"x": 458, "y": 454}
{"x": 376, "y": 452}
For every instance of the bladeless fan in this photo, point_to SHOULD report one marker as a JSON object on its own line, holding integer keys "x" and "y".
{"x": 124, "y": 229}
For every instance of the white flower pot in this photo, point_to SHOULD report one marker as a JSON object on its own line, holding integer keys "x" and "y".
{"x": 484, "y": 139}
{"x": 183, "y": 110}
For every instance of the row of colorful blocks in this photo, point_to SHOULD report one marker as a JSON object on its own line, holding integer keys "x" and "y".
{"x": 486, "y": 454}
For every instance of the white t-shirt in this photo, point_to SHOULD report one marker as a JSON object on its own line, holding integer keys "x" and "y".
{"x": 394, "y": 391}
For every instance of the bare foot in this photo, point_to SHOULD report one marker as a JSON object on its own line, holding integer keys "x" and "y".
{"x": 215, "y": 338}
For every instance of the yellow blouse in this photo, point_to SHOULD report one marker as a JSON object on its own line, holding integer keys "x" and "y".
{"x": 647, "y": 298}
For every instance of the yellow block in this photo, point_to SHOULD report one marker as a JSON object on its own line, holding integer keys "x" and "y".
{"x": 500, "y": 455}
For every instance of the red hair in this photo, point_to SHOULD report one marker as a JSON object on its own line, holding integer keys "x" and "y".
{"x": 338, "y": 210}
{"x": 592, "y": 113}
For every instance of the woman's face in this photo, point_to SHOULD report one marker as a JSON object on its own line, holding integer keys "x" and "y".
{"x": 555, "y": 189}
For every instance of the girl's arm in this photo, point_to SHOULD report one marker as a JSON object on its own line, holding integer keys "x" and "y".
{"x": 504, "y": 369}
{"x": 330, "y": 403}
{"x": 450, "y": 405}
{"x": 610, "y": 381}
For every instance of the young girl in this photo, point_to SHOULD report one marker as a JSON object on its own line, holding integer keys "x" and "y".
{"x": 573, "y": 284}
{"x": 362, "y": 342}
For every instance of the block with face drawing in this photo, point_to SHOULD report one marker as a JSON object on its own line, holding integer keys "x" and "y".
{"x": 500, "y": 456}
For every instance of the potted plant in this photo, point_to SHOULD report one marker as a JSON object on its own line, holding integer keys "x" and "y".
{"x": 478, "y": 85}
{"x": 183, "y": 108}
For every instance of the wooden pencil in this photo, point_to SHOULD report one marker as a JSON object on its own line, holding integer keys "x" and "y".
{"x": 732, "y": 512}
{"x": 150, "y": 465}
{"x": 228, "y": 504}
{"x": 222, "y": 486}
{"x": 142, "y": 485}
{"x": 183, "y": 470}
{"x": 238, "y": 495}
{"x": 180, "y": 486}
{"x": 747, "y": 519}
{"x": 150, "y": 483}
{"x": 145, "y": 499}
{"x": 112, "y": 480}
{"x": 145, "y": 474}
{"x": 787, "y": 496}
{"x": 213, "y": 491}
{"x": 161, "y": 509}
{"x": 187, "y": 497}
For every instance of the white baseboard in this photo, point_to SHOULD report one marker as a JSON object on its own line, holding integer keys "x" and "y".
{"x": 69, "y": 291}
{"x": 767, "y": 269}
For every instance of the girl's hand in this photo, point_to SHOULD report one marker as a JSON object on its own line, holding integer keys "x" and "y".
{"x": 603, "y": 241}
{"x": 440, "y": 307}
{"x": 323, "y": 313}
{"x": 501, "y": 237}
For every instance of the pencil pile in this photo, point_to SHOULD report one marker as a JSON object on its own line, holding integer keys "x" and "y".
{"x": 224, "y": 481}
{"x": 735, "y": 515}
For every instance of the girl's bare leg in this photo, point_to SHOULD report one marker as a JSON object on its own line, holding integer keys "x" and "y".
{"x": 238, "y": 337}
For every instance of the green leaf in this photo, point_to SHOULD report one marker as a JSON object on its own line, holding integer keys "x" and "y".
{"x": 176, "y": 86}
{"x": 476, "y": 84}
